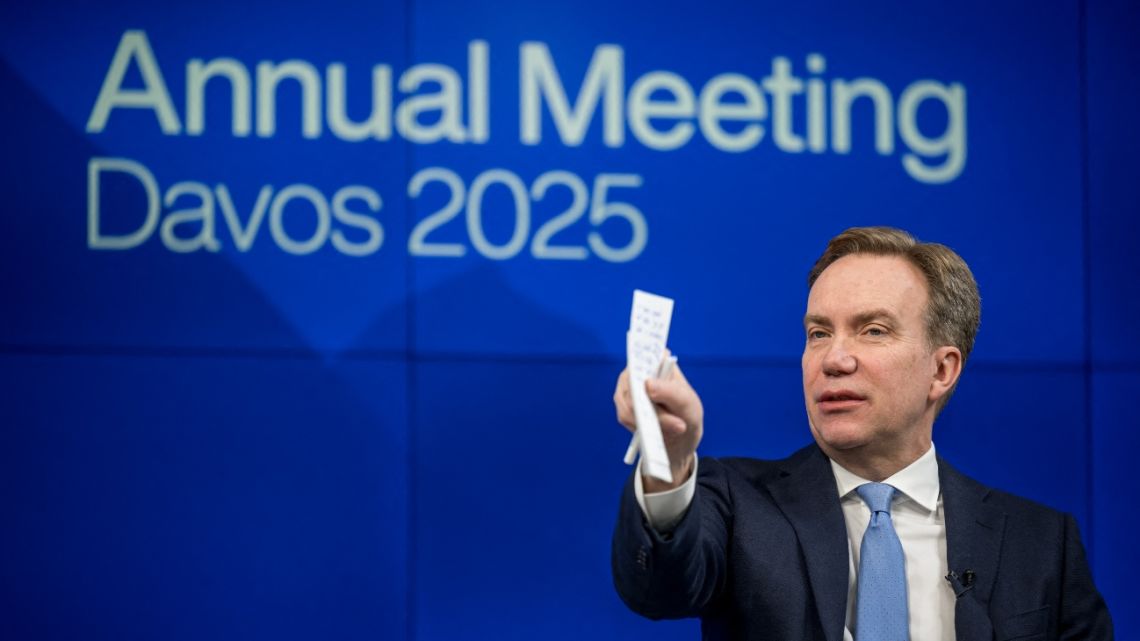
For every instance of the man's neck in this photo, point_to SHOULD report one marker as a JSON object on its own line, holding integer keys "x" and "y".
{"x": 878, "y": 466}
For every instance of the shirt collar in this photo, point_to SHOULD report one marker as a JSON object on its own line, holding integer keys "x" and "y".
{"x": 918, "y": 481}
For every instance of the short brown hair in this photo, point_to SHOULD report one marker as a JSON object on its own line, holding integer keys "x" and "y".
{"x": 955, "y": 308}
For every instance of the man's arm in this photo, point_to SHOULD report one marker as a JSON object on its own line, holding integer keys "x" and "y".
{"x": 676, "y": 566}
{"x": 681, "y": 572}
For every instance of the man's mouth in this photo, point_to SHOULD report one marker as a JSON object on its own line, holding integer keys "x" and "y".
{"x": 838, "y": 400}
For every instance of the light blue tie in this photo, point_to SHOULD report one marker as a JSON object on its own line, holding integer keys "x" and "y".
{"x": 880, "y": 610}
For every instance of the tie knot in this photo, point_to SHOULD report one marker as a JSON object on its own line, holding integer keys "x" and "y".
{"x": 877, "y": 496}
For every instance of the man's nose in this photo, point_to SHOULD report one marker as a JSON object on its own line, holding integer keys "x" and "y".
{"x": 839, "y": 359}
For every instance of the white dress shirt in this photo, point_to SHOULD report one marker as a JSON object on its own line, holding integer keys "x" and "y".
{"x": 916, "y": 512}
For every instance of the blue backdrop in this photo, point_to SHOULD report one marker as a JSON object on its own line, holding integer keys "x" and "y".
{"x": 311, "y": 313}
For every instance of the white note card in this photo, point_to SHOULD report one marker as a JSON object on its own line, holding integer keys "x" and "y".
{"x": 645, "y": 348}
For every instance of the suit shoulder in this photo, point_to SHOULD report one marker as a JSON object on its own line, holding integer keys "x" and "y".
{"x": 1021, "y": 513}
{"x": 1015, "y": 504}
{"x": 1029, "y": 516}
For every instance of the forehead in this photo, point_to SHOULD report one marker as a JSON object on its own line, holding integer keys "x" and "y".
{"x": 856, "y": 283}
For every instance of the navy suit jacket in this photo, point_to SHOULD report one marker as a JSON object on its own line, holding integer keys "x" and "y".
{"x": 762, "y": 554}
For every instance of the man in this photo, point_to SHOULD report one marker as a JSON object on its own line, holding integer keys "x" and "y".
{"x": 867, "y": 534}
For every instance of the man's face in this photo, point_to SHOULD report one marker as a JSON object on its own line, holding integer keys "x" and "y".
{"x": 867, "y": 365}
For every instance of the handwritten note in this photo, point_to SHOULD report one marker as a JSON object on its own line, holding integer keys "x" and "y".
{"x": 648, "y": 334}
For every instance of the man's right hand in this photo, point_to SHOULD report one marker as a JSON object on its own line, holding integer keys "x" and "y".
{"x": 681, "y": 415}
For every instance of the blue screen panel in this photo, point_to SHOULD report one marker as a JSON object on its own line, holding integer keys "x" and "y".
{"x": 517, "y": 488}
{"x": 1113, "y": 135}
{"x": 192, "y": 498}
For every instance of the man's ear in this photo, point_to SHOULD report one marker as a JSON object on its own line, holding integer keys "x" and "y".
{"x": 947, "y": 369}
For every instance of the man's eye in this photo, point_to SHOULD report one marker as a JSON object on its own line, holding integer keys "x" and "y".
{"x": 817, "y": 334}
{"x": 876, "y": 331}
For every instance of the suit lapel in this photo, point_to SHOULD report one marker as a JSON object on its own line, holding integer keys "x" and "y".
{"x": 974, "y": 532}
{"x": 806, "y": 493}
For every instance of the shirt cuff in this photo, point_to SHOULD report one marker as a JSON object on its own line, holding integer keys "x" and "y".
{"x": 664, "y": 510}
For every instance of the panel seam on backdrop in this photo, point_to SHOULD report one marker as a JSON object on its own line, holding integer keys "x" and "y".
{"x": 522, "y": 359}
{"x": 411, "y": 386}
{"x": 1086, "y": 232}
{"x": 1076, "y": 366}
{"x": 167, "y": 351}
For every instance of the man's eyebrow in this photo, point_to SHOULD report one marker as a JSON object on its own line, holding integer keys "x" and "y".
{"x": 875, "y": 314}
{"x": 816, "y": 319}
{"x": 862, "y": 318}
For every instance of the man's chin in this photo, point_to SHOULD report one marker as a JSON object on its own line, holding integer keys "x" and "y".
{"x": 842, "y": 445}
{"x": 839, "y": 436}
